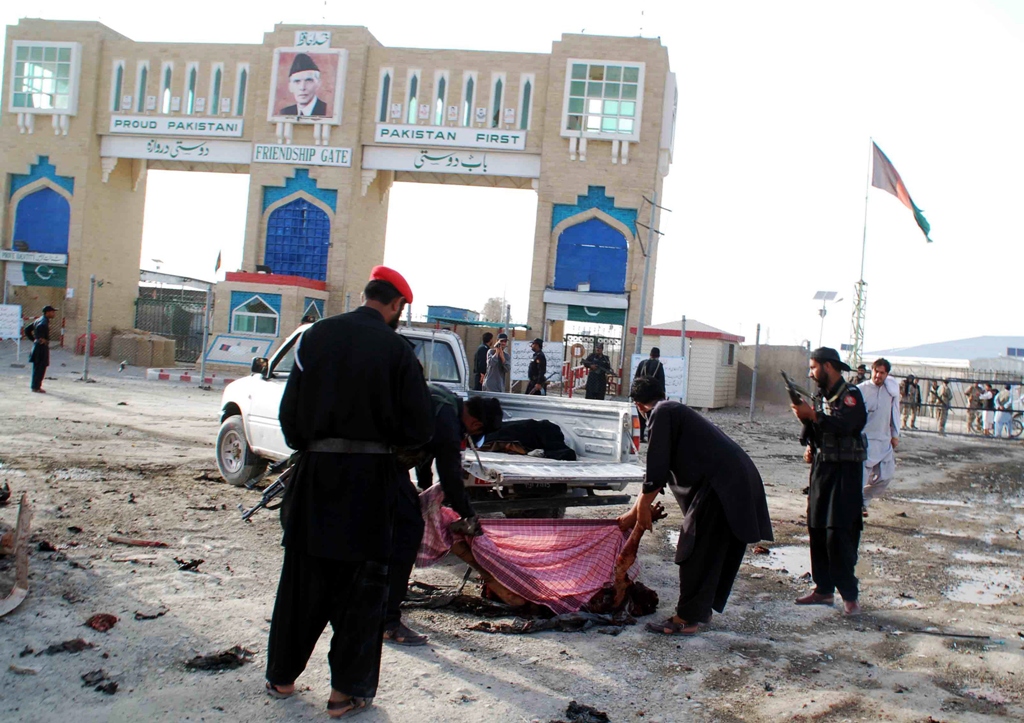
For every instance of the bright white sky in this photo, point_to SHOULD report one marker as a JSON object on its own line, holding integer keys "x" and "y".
{"x": 777, "y": 103}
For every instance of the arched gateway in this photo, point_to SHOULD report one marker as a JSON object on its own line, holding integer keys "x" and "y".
{"x": 324, "y": 119}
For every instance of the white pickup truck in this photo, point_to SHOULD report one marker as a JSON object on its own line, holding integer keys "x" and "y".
{"x": 600, "y": 432}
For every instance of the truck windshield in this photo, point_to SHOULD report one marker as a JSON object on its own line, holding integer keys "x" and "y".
{"x": 442, "y": 367}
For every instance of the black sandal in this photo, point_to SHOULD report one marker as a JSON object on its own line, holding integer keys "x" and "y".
{"x": 668, "y": 626}
{"x": 401, "y": 634}
{"x": 274, "y": 692}
{"x": 348, "y": 707}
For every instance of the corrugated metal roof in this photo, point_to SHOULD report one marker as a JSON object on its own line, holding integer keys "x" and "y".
{"x": 977, "y": 347}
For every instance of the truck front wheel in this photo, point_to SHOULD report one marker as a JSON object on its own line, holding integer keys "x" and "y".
{"x": 235, "y": 459}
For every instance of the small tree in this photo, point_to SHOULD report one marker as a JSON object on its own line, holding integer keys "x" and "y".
{"x": 494, "y": 310}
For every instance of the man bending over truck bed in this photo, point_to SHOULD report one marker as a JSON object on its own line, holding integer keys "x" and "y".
{"x": 453, "y": 421}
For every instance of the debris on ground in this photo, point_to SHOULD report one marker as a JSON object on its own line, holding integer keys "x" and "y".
{"x": 151, "y": 613}
{"x": 74, "y": 529}
{"x": 5, "y": 494}
{"x": 189, "y": 565}
{"x": 26, "y": 652}
{"x": 68, "y": 646}
{"x": 102, "y": 622}
{"x": 567, "y": 623}
{"x": 19, "y": 670}
{"x": 134, "y": 542}
{"x": 207, "y": 476}
{"x": 46, "y": 546}
{"x": 760, "y": 550}
{"x": 20, "y": 548}
{"x": 229, "y": 659}
{"x": 209, "y": 508}
{"x": 99, "y": 679}
{"x": 580, "y": 713}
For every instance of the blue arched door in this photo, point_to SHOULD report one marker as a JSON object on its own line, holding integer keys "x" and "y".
{"x": 298, "y": 236}
{"x": 41, "y": 223}
{"x": 591, "y": 252}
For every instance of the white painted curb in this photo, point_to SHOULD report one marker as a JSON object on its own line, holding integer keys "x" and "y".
{"x": 187, "y": 375}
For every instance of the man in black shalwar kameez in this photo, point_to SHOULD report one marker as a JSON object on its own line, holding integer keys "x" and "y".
{"x": 720, "y": 493}
{"x": 355, "y": 393}
{"x": 836, "y": 450}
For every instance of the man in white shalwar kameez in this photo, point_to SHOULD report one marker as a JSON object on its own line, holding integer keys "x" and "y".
{"x": 882, "y": 400}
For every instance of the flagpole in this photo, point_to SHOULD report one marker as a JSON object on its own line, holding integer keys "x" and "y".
{"x": 860, "y": 292}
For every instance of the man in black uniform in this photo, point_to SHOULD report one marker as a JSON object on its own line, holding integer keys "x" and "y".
{"x": 537, "y": 372}
{"x": 652, "y": 368}
{"x": 453, "y": 421}
{"x": 355, "y": 393}
{"x": 836, "y": 450}
{"x": 40, "y": 356}
{"x": 720, "y": 492}
{"x": 480, "y": 361}
{"x": 600, "y": 367}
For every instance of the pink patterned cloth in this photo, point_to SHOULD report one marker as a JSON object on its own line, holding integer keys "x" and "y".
{"x": 558, "y": 563}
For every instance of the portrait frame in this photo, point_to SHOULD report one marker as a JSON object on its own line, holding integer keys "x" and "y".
{"x": 332, "y": 64}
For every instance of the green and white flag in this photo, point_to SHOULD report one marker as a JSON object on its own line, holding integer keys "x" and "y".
{"x": 28, "y": 274}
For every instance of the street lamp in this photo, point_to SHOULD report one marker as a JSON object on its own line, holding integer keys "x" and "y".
{"x": 824, "y": 297}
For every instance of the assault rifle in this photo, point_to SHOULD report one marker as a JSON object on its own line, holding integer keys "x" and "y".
{"x": 798, "y": 396}
{"x": 287, "y": 468}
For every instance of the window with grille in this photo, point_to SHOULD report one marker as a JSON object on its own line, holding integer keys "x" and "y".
{"x": 385, "y": 96}
{"x": 298, "y": 237}
{"x": 526, "y": 83}
{"x": 442, "y": 98}
{"x": 115, "y": 91}
{"x": 255, "y": 316}
{"x": 190, "y": 99}
{"x": 467, "y": 99}
{"x": 414, "y": 87}
{"x": 497, "y": 96}
{"x": 215, "y": 94}
{"x": 46, "y": 78}
{"x": 603, "y": 99}
{"x": 140, "y": 103}
{"x": 243, "y": 79}
{"x": 165, "y": 94}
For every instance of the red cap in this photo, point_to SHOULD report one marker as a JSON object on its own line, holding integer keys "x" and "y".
{"x": 383, "y": 273}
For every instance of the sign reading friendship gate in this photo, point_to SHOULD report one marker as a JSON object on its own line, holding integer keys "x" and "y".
{"x": 455, "y": 137}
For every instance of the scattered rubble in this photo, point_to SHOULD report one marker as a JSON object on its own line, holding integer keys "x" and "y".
{"x": 102, "y": 622}
{"x": 228, "y": 659}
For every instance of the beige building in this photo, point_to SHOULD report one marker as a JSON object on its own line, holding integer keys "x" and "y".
{"x": 711, "y": 356}
{"x": 324, "y": 119}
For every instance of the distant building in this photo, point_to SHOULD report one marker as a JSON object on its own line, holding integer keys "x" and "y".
{"x": 711, "y": 376}
{"x": 1001, "y": 354}
{"x": 451, "y": 313}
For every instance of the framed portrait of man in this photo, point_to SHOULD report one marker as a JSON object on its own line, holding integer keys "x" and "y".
{"x": 307, "y": 85}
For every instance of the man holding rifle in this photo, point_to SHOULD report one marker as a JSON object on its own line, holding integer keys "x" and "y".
{"x": 355, "y": 393}
{"x": 836, "y": 450}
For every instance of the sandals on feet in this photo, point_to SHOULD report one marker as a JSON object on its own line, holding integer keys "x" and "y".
{"x": 668, "y": 626}
{"x": 274, "y": 691}
{"x": 814, "y": 598}
{"x": 348, "y": 707}
{"x": 403, "y": 635}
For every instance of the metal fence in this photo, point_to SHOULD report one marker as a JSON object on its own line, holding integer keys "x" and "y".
{"x": 966, "y": 413}
{"x": 612, "y": 349}
{"x": 178, "y": 320}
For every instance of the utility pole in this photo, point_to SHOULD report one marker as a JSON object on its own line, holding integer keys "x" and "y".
{"x": 206, "y": 336}
{"x": 88, "y": 328}
{"x": 652, "y": 246}
{"x": 753, "y": 379}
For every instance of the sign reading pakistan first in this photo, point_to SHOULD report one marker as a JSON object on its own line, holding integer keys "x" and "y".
{"x": 450, "y": 136}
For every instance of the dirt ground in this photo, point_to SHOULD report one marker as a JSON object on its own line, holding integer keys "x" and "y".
{"x": 124, "y": 456}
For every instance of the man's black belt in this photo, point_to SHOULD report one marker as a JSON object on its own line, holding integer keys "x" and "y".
{"x": 349, "y": 446}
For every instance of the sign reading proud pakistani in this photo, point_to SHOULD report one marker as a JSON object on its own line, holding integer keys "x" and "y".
{"x": 171, "y": 126}
{"x": 451, "y": 137}
{"x": 302, "y": 155}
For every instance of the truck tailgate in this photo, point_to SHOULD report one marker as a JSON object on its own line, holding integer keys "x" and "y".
{"x": 515, "y": 469}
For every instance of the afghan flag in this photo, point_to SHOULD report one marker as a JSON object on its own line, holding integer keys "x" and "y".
{"x": 884, "y": 176}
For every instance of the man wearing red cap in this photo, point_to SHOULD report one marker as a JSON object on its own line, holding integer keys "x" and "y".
{"x": 354, "y": 395}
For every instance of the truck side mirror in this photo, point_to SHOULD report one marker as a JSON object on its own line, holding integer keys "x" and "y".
{"x": 259, "y": 366}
